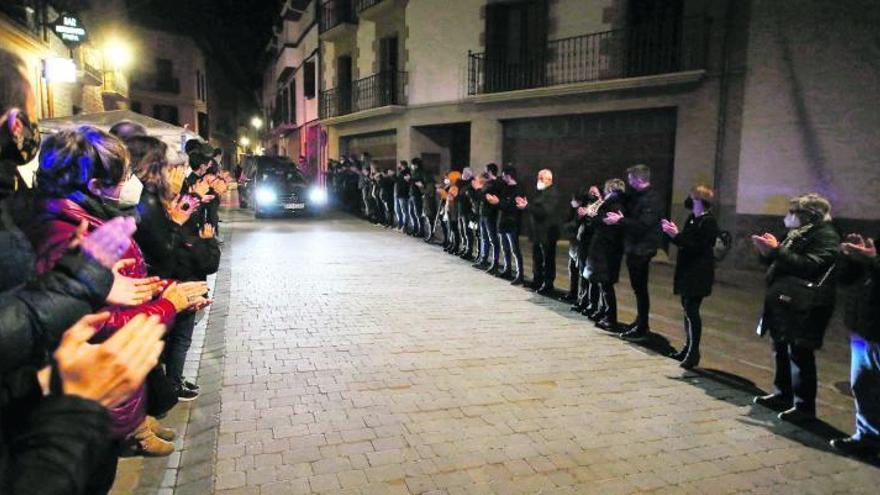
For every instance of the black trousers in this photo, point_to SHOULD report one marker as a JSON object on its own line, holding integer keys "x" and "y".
{"x": 574, "y": 277}
{"x": 513, "y": 261}
{"x": 639, "y": 267}
{"x": 544, "y": 263}
{"x": 796, "y": 375}
{"x": 607, "y": 301}
{"x": 493, "y": 249}
{"x": 415, "y": 214}
{"x": 693, "y": 324}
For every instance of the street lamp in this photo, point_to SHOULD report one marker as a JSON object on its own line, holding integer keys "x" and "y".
{"x": 244, "y": 141}
{"x": 118, "y": 53}
{"x": 257, "y": 123}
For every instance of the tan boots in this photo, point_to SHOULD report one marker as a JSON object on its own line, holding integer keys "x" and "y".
{"x": 151, "y": 439}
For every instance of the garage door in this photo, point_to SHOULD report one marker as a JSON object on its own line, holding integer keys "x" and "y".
{"x": 587, "y": 149}
{"x": 381, "y": 146}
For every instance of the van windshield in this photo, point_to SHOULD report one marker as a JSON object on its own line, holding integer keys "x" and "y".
{"x": 281, "y": 174}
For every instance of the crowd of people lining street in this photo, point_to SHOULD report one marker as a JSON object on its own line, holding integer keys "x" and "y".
{"x": 103, "y": 266}
{"x": 479, "y": 217}
{"x": 104, "y": 261}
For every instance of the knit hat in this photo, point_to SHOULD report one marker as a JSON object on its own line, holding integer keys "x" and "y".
{"x": 813, "y": 204}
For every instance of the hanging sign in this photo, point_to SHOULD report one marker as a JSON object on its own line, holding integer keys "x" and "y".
{"x": 69, "y": 28}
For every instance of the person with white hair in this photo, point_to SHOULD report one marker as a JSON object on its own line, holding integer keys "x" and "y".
{"x": 798, "y": 303}
{"x": 544, "y": 211}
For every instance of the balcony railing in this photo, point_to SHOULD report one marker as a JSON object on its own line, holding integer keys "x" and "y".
{"x": 653, "y": 49}
{"x": 362, "y": 5}
{"x": 379, "y": 90}
{"x": 115, "y": 85}
{"x": 147, "y": 82}
{"x": 335, "y": 12}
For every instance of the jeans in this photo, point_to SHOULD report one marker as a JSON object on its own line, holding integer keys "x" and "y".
{"x": 796, "y": 375}
{"x": 639, "y": 267}
{"x": 177, "y": 344}
{"x": 402, "y": 212}
{"x": 415, "y": 215}
{"x": 865, "y": 381}
{"x": 512, "y": 253}
{"x": 693, "y": 324}
{"x": 544, "y": 263}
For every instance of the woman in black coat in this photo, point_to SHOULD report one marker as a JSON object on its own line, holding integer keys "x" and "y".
{"x": 694, "y": 267}
{"x": 605, "y": 255}
{"x": 807, "y": 254}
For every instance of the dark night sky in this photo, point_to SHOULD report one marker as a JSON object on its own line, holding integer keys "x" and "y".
{"x": 234, "y": 30}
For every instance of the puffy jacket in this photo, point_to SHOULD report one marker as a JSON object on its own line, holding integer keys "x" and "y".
{"x": 861, "y": 291}
{"x": 605, "y": 252}
{"x": 641, "y": 222}
{"x": 57, "y": 222}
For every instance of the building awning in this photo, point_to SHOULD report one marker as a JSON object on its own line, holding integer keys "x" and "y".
{"x": 174, "y": 136}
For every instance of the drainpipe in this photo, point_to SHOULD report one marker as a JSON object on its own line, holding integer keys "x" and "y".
{"x": 723, "y": 96}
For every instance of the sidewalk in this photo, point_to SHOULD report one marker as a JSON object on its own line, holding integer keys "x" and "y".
{"x": 731, "y": 351}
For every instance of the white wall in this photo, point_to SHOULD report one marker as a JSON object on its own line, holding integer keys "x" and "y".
{"x": 811, "y": 119}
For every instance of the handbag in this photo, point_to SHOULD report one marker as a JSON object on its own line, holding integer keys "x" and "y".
{"x": 161, "y": 393}
{"x": 798, "y": 296}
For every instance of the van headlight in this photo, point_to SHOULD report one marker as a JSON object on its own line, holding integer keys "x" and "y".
{"x": 318, "y": 195}
{"x": 266, "y": 195}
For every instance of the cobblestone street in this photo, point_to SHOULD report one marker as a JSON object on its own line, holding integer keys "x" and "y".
{"x": 349, "y": 359}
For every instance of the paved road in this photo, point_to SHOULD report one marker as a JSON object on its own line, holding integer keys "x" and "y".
{"x": 354, "y": 360}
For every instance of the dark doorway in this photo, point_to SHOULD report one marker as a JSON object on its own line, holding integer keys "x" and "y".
{"x": 443, "y": 147}
{"x": 388, "y": 68}
{"x": 382, "y": 147}
{"x": 654, "y": 36}
{"x": 516, "y": 45}
{"x": 343, "y": 84}
{"x": 587, "y": 149}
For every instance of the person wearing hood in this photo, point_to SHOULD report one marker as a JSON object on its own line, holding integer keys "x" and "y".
{"x": 546, "y": 228}
{"x": 694, "y": 266}
{"x": 401, "y": 196}
{"x": 797, "y": 326}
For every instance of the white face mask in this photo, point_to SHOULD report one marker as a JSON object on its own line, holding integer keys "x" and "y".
{"x": 791, "y": 221}
{"x": 130, "y": 194}
{"x": 574, "y": 204}
{"x": 541, "y": 186}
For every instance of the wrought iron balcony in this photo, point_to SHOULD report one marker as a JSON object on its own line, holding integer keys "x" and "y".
{"x": 362, "y": 5}
{"x": 647, "y": 50}
{"x": 149, "y": 82}
{"x": 379, "y": 90}
{"x": 333, "y": 13}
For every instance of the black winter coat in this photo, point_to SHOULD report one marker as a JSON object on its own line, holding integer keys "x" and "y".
{"x": 158, "y": 237}
{"x": 509, "y": 216}
{"x": 861, "y": 285}
{"x": 641, "y": 222}
{"x": 490, "y": 211}
{"x": 543, "y": 209}
{"x": 807, "y": 254}
{"x": 54, "y": 444}
{"x": 695, "y": 264}
{"x": 606, "y": 246}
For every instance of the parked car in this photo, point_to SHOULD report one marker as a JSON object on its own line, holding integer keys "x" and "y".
{"x": 275, "y": 186}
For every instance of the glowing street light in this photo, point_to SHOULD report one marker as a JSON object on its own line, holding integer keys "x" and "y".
{"x": 118, "y": 53}
{"x": 244, "y": 141}
{"x": 257, "y": 123}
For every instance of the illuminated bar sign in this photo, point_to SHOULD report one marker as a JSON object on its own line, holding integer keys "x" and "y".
{"x": 69, "y": 28}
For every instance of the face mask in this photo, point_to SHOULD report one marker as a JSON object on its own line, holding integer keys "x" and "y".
{"x": 689, "y": 203}
{"x": 130, "y": 194}
{"x": 791, "y": 221}
{"x": 541, "y": 186}
{"x": 574, "y": 203}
